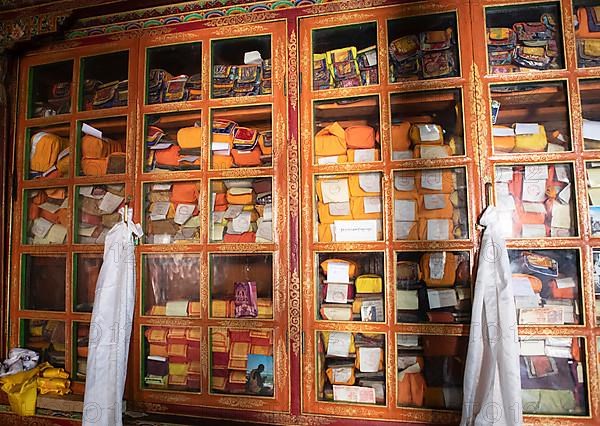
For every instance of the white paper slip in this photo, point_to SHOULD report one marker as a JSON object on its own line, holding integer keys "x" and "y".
{"x": 331, "y": 159}
{"x": 505, "y": 202}
{"x": 183, "y": 213}
{"x": 532, "y": 347}
{"x": 591, "y": 130}
{"x": 161, "y": 146}
{"x": 594, "y": 194}
{"x": 40, "y": 227}
{"x": 264, "y": 233}
{"x": 338, "y": 272}
{"x": 429, "y": 132}
{"x": 437, "y": 265}
{"x": 219, "y": 146}
{"x": 402, "y": 155}
{"x": 527, "y": 129}
{"x": 161, "y": 239}
{"x": 241, "y": 223}
{"x": 553, "y": 147}
{"x": 537, "y": 172}
{"x": 339, "y": 209}
{"x": 371, "y": 310}
{"x": 50, "y": 170}
{"x": 503, "y": 131}
{"x": 57, "y": 234}
{"x": 533, "y": 231}
{"x": 402, "y": 229}
{"x": 353, "y": 394}
{"x": 86, "y": 191}
{"x": 65, "y": 152}
{"x": 369, "y": 359}
{"x": 217, "y": 232}
{"x": 407, "y": 361}
{"x": 441, "y": 298}
{"x": 522, "y": 287}
{"x": 217, "y": 217}
{"x": 593, "y": 177}
{"x": 534, "y": 208}
{"x": 336, "y": 293}
{"x": 370, "y": 182}
{"x": 561, "y": 216}
{"x": 86, "y": 231}
{"x": 159, "y": 210}
{"x": 339, "y": 344}
{"x": 407, "y": 340}
{"x": 407, "y": 300}
{"x": 558, "y": 352}
{"x": 564, "y": 196}
{"x": 559, "y": 341}
{"x": 534, "y": 191}
{"x": 561, "y": 172}
{"x": 434, "y": 201}
{"x": 161, "y": 187}
{"x": 355, "y": 230}
{"x": 405, "y": 210}
{"x": 527, "y": 301}
{"x": 188, "y": 158}
{"x": 372, "y": 204}
{"x": 233, "y": 211}
{"x": 364, "y": 155}
{"x": 89, "y": 130}
{"x": 50, "y": 207}
{"x": 567, "y": 282}
{"x": 268, "y": 212}
{"x": 429, "y": 152}
{"x": 438, "y": 229}
{"x": 110, "y": 202}
{"x": 404, "y": 181}
{"x": 504, "y": 174}
{"x": 431, "y": 179}
{"x": 335, "y": 191}
{"x": 342, "y": 374}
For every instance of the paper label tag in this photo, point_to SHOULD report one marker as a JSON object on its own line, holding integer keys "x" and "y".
{"x": 527, "y": 128}
{"x": 89, "y": 130}
{"x": 339, "y": 344}
{"x": 110, "y": 202}
{"x": 402, "y": 155}
{"x": 336, "y": 293}
{"x": 437, "y": 265}
{"x": 355, "y": 230}
{"x": 504, "y": 174}
{"x": 338, "y": 272}
{"x": 404, "y": 182}
{"x": 342, "y": 374}
{"x": 369, "y": 359}
{"x": 437, "y": 229}
{"x": 534, "y": 190}
{"x": 429, "y": 132}
{"x": 534, "y": 208}
{"x": 441, "y": 298}
{"x": 405, "y": 210}
{"x": 370, "y": 182}
{"x": 183, "y": 213}
{"x": 242, "y": 222}
{"x": 431, "y": 179}
{"x": 567, "y": 282}
{"x": 339, "y": 209}
{"x": 335, "y": 191}
{"x": 434, "y": 201}
{"x": 364, "y": 155}
{"x": 402, "y": 229}
{"x": 372, "y": 204}
{"x": 537, "y": 172}
{"x": 333, "y": 159}
{"x": 41, "y": 227}
{"x": 429, "y": 152}
{"x": 159, "y": 210}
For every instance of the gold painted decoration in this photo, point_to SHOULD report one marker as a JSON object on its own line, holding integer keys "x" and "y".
{"x": 293, "y": 70}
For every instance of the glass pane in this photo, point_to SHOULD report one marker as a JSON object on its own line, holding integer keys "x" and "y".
{"x": 46, "y": 213}
{"x": 242, "y": 361}
{"x": 536, "y": 201}
{"x": 171, "y": 212}
{"x": 47, "y": 338}
{"x": 174, "y": 73}
{"x": 430, "y": 204}
{"x": 589, "y": 91}
{"x": 427, "y": 124}
{"x": 553, "y": 375}
{"x": 430, "y": 370}
{"x": 242, "y": 210}
{"x": 47, "y": 152}
{"x": 587, "y": 32}
{"x": 422, "y": 47}
{"x": 81, "y": 336}
{"x": 88, "y": 269}
{"x": 433, "y": 287}
{"x": 524, "y": 38}
{"x": 596, "y": 278}
{"x": 593, "y": 189}
{"x": 43, "y": 282}
{"x": 104, "y": 81}
{"x": 350, "y": 286}
{"x": 348, "y": 207}
{"x": 50, "y": 89}
{"x": 172, "y": 358}
{"x": 97, "y": 211}
{"x": 351, "y": 367}
{"x": 241, "y": 66}
{"x": 242, "y": 137}
{"x": 546, "y": 284}
{"x": 337, "y": 63}
{"x": 173, "y": 141}
{"x": 101, "y": 146}
{"x": 530, "y": 117}
{"x": 171, "y": 284}
{"x": 241, "y": 286}
{"x": 347, "y": 130}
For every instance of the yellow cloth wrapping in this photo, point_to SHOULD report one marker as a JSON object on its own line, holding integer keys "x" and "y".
{"x": 21, "y": 389}
{"x": 189, "y": 137}
{"x": 325, "y": 235}
{"x": 357, "y": 206}
{"x": 326, "y": 217}
{"x": 53, "y": 386}
{"x": 532, "y": 143}
{"x": 55, "y": 373}
{"x": 45, "y": 149}
{"x": 178, "y": 368}
{"x": 591, "y": 47}
{"x": 330, "y": 141}
{"x": 369, "y": 283}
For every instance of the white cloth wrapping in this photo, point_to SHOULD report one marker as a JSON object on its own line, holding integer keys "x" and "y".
{"x": 110, "y": 328}
{"x": 492, "y": 381}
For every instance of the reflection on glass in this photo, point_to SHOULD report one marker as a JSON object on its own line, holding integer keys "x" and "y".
{"x": 104, "y": 81}
{"x": 589, "y": 91}
{"x": 47, "y": 338}
{"x": 433, "y": 287}
{"x": 351, "y": 367}
{"x": 50, "y": 89}
{"x": 171, "y": 212}
{"x": 172, "y": 358}
{"x": 47, "y": 152}
{"x": 97, "y": 211}
{"x": 546, "y": 285}
{"x": 101, "y": 146}
{"x": 241, "y": 286}
{"x": 349, "y": 207}
{"x": 423, "y": 47}
{"x": 242, "y": 361}
{"x": 242, "y": 210}
{"x": 427, "y": 124}
{"x": 241, "y": 67}
{"x": 174, "y": 73}
{"x": 596, "y": 279}
{"x": 593, "y": 188}
{"x": 347, "y": 130}
{"x": 47, "y": 216}
{"x": 430, "y": 370}
{"x": 530, "y": 117}
{"x": 88, "y": 269}
{"x": 81, "y": 334}
{"x": 524, "y": 38}
{"x": 351, "y": 287}
{"x": 242, "y": 137}
{"x": 536, "y": 201}
{"x": 587, "y": 33}
{"x": 430, "y": 204}
{"x": 553, "y": 375}
{"x": 44, "y": 282}
{"x": 171, "y": 284}
{"x": 173, "y": 141}
{"x": 337, "y": 63}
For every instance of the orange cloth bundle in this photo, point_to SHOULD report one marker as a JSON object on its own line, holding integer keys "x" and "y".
{"x": 400, "y": 138}
{"x": 240, "y": 196}
{"x": 220, "y": 162}
{"x": 448, "y": 268}
{"x": 360, "y": 137}
{"x": 562, "y": 293}
{"x": 246, "y": 158}
{"x": 184, "y": 193}
{"x": 168, "y": 156}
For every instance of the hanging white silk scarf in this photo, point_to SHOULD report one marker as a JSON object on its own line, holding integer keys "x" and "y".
{"x": 492, "y": 382}
{"x": 110, "y": 328}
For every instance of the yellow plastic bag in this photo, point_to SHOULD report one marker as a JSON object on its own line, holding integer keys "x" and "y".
{"x": 21, "y": 389}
